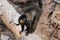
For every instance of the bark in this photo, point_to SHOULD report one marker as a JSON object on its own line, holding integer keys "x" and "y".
{"x": 44, "y": 26}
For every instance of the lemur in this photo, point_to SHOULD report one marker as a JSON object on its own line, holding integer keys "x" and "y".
{"x": 24, "y": 22}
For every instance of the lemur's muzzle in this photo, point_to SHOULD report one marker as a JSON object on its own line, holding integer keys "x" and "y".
{"x": 22, "y": 21}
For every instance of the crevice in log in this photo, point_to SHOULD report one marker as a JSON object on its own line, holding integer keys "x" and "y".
{"x": 35, "y": 17}
{"x": 40, "y": 3}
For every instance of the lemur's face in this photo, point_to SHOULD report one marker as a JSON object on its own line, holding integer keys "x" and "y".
{"x": 22, "y": 21}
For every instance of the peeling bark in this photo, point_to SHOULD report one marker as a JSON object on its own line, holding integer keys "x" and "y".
{"x": 44, "y": 26}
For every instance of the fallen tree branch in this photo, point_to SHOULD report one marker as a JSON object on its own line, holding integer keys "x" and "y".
{"x": 6, "y": 8}
{"x": 11, "y": 27}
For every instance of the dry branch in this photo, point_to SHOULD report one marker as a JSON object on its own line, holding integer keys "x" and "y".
{"x": 11, "y": 27}
{"x": 6, "y": 8}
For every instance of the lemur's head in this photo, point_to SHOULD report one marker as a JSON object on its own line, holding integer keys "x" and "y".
{"x": 22, "y": 19}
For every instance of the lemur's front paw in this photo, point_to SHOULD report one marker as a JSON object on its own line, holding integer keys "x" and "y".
{"x": 21, "y": 31}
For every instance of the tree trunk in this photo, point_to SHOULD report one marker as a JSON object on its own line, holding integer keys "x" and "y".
{"x": 44, "y": 26}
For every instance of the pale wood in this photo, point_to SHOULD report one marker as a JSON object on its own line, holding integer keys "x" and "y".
{"x": 5, "y": 16}
{"x": 11, "y": 27}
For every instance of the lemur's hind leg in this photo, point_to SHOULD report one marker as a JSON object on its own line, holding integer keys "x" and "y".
{"x": 22, "y": 27}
